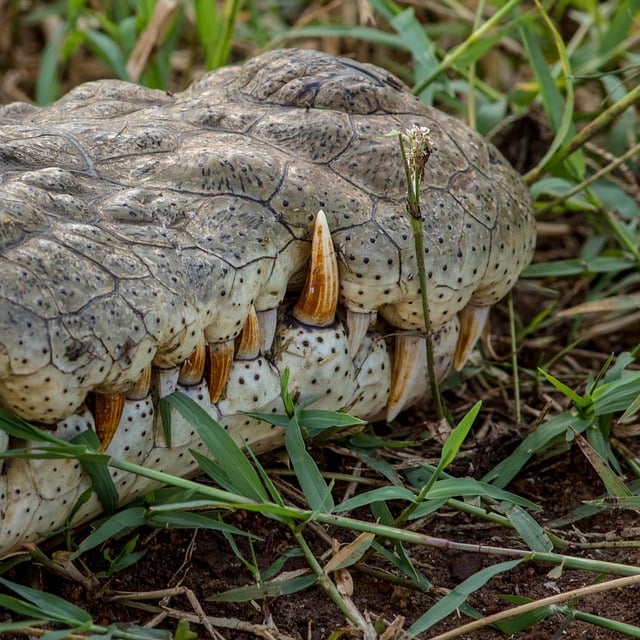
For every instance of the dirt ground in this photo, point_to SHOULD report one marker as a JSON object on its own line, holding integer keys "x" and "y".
{"x": 203, "y": 563}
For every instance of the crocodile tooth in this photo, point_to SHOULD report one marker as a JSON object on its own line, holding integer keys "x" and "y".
{"x": 107, "y": 411}
{"x": 319, "y": 297}
{"x": 267, "y": 323}
{"x": 165, "y": 381}
{"x": 247, "y": 344}
{"x": 218, "y": 366}
{"x": 4, "y": 445}
{"x": 407, "y": 373}
{"x": 357, "y": 325}
{"x": 472, "y": 322}
{"x": 141, "y": 388}
{"x": 192, "y": 368}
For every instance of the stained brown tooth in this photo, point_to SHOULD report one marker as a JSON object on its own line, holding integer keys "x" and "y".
{"x": 192, "y": 368}
{"x": 408, "y": 374}
{"x": 107, "y": 412}
{"x": 319, "y": 297}
{"x": 217, "y": 368}
{"x": 267, "y": 323}
{"x": 472, "y": 322}
{"x": 247, "y": 344}
{"x": 357, "y": 324}
{"x": 140, "y": 389}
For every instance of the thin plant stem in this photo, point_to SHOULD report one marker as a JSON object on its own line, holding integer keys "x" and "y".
{"x": 414, "y": 172}
{"x": 451, "y": 58}
{"x": 352, "y": 614}
{"x": 612, "y": 166}
{"x": 597, "y": 125}
{"x": 223, "y": 46}
{"x": 514, "y": 358}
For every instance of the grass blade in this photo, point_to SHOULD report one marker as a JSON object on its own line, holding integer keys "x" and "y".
{"x": 270, "y": 589}
{"x": 311, "y": 481}
{"x": 530, "y": 531}
{"x": 457, "y": 596}
{"x": 228, "y": 455}
{"x": 614, "y": 485}
{"x": 53, "y": 607}
{"x": 350, "y": 553}
{"x": 101, "y": 480}
{"x": 113, "y": 526}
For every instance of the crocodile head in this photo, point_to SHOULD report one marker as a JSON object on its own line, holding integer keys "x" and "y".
{"x": 153, "y": 241}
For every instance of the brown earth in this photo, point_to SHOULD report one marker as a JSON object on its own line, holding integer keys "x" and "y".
{"x": 202, "y": 561}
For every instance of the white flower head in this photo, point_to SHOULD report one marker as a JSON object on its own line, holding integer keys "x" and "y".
{"x": 419, "y": 148}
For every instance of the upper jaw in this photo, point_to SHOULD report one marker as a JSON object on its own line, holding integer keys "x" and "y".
{"x": 337, "y": 357}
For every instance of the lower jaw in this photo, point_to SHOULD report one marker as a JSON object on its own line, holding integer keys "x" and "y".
{"x": 39, "y": 496}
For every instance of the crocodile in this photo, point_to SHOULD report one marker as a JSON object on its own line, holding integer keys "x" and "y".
{"x": 205, "y": 241}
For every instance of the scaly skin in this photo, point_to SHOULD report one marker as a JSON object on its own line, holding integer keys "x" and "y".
{"x": 141, "y": 227}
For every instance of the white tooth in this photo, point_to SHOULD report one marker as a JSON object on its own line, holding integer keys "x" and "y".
{"x": 267, "y": 323}
{"x": 4, "y": 445}
{"x": 357, "y": 325}
{"x": 409, "y": 378}
{"x": 472, "y": 323}
{"x": 165, "y": 381}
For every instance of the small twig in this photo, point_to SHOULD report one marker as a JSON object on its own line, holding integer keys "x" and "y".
{"x": 35, "y": 631}
{"x": 590, "y": 130}
{"x": 186, "y": 562}
{"x": 150, "y": 37}
{"x": 262, "y": 631}
{"x": 514, "y": 358}
{"x": 165, "y": 594}
{"x": 415, "y": 156}
{"x": 635, "y": 150}
{"x": 618, "y": 583}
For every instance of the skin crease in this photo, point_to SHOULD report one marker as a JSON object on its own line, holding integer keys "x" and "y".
{"x": 139, "y": 227}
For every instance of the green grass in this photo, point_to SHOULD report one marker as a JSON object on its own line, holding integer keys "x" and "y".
{"x": 576, "y": 65}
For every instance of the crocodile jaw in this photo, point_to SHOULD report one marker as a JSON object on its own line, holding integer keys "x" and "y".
{"x": 227, "y": 381}
{"x": 138, "y": 255}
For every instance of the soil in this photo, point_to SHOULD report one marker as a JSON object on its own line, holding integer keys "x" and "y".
{"x": 201, "y": 563}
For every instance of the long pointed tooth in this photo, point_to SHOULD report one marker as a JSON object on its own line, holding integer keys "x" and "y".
{"x": 267, "y": 323}
{"x": 472, "y": 323}
{"x": 107, "y": 412}
{"x": 218, "y": 366}
{"x": 319, "y": 297}
{"x": 140, "y": 389}
{"x": 192, "y": 368}
{"x": 247, "y": 345}
{"x": 407, "y": 374}
{"x": 358, "y": 324}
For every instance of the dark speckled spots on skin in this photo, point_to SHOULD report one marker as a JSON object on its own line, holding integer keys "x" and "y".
{"x": 167, "y": 217}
